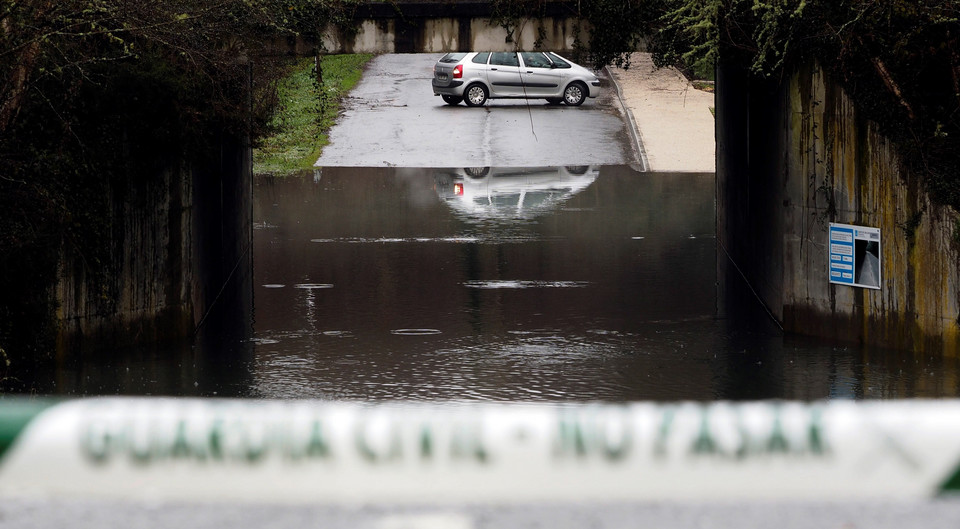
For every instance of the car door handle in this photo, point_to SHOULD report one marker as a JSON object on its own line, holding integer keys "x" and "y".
{"x": 529, "y": 71}
{"x": 493, "y": 69}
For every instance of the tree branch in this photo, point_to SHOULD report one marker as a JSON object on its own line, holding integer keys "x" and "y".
{"x": 892, "y": 85}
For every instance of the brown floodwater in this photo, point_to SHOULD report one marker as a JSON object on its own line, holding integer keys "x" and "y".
{"x": 534, "y": 284}
{"x": 575, "y": 283}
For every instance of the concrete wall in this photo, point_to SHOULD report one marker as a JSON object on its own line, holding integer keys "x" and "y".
{"x": 178, "y": 238}
{"x": 441, "y": 35}
{"x": 440, "y": 26}
{"x": 795, "y": 156}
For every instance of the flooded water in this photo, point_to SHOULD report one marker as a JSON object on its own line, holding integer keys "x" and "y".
{"x": 578, "y": 283}
{"x": 543, "y": 284}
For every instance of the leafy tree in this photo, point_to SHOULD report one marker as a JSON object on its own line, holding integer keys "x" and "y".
{"x": 618, "y": 28}
{"x": 619, "y": 25}
{"x": 899, "y": 59}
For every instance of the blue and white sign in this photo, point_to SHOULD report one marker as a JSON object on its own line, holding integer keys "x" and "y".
{"x": 855, "y": 256}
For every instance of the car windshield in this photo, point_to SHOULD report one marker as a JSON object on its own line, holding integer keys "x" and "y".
{"x": 558, "y": 60}
{"x": 453, "y": 57}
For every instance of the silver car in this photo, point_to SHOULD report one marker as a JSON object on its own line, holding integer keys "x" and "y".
{"x": 475, "y": 77}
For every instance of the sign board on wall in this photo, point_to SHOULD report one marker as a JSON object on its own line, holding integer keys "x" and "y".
{"x": 855, "y": 256}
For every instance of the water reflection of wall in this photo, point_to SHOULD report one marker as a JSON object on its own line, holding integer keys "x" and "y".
{"x": 810, "y": 368}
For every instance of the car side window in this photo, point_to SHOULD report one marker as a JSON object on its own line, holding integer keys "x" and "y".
{"x": 481, "y": 58}
{"x": 535, "y": 60}
{"x": 504, "y": 59}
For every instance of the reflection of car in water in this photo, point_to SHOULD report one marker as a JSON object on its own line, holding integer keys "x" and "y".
{"x": 511, "y": 192}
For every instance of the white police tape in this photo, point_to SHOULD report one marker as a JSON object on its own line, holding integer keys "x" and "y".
{"x": 334, "y": 452}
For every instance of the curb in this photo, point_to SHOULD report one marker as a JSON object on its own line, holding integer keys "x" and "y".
{"x": 631, "y": 123}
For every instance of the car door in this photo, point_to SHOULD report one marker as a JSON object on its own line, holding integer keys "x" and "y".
{"x": 503, "y": 74}
{"x": 540, "y": 78}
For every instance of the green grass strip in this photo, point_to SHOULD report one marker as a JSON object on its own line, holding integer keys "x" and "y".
{"x": 300, "y": 129}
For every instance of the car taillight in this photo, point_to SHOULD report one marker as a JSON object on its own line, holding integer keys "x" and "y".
{"x": 458, "y": 188}
{"x": 458, "y": 71}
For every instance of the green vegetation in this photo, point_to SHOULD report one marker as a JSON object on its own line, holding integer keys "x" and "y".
{"x": 94, "y": 94}
{"x": 305, "y": 113}
{"x": 898, "y": 59}
{"x": 706, "y": 86}
{"x": 97, "y": 94}
{"x": 624, "y": 23}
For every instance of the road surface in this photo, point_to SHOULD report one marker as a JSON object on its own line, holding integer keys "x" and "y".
{"x": 392, "y": 119}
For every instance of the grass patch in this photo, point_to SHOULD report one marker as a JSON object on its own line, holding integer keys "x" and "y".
{"x": 299, "y": 127}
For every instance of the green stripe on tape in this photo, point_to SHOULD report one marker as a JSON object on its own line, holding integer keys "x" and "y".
{"x": 15, "y": 414}
{"x": 952, "y": 484}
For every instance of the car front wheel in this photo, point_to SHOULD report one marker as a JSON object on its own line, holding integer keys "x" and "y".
{"x": 475, "y": 95}
{"x": 574, "y": 94}
{"x": 452, "y": 100}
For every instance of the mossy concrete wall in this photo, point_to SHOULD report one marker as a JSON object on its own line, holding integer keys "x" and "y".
{"x": 793, "y": 156}
{"x": 441, "y": 35}
{"x": 440, "y": 26}
{"x": 179, "y": 237}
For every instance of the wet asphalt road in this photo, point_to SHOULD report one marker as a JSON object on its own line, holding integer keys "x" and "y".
{"x": 392, "y": 118}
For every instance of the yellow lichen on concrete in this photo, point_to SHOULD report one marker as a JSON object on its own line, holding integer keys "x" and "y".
{"x": 854, "y": 177}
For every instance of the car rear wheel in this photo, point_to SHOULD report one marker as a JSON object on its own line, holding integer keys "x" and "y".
{"x": 575, "y": 93}
{"x": 451, "y": 100}
{"x": 475, "y": 95}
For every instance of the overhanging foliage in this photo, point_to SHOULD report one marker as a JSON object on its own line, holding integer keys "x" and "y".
{"x": 93, "y": 92}
{"x": 898, "y": 59}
